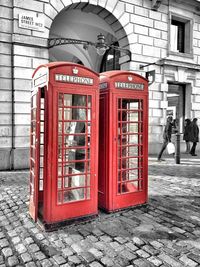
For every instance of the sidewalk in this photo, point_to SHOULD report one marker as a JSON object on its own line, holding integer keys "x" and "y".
{"x": 164, "y": 233}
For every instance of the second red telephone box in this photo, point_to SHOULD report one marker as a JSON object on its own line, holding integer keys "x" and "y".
{"x": 64, "y": 143}
{"x": 123, "y": 140}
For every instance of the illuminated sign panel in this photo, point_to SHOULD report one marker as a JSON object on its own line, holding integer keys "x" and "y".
{"x": 125, "y": 85}
{"x": 73, "y": 79}
{"x": 103, "y": 85}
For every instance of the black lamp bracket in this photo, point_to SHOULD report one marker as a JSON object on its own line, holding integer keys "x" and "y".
{"x": 52, "y": 42}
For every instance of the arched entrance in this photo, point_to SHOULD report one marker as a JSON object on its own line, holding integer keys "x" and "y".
{"x": 84, "y": 21}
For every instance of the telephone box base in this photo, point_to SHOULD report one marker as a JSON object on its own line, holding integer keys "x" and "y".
{"x": 48, "y": 227}
{"x": 109, "y": 211}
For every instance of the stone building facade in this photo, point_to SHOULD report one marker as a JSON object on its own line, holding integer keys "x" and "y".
{"x": 162, "y": 35}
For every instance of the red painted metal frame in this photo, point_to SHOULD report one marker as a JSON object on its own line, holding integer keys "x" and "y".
{"x": 34, "y": 160}
{"x": 52, "y": 211}
{"x": 108, "y": 196}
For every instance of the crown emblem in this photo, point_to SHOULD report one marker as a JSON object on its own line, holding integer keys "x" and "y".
{"x": 75, "y": 70}
{"x": 130, "y": 78}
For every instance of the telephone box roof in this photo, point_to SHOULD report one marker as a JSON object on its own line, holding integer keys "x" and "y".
{"x": 52, "y": 65}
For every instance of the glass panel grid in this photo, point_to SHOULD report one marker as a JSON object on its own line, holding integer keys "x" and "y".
{"x": 74, "y": 127}
{"x": 130, "y": 145}
{"x": 33, "y": 143}
{"x": 41, "y": 152}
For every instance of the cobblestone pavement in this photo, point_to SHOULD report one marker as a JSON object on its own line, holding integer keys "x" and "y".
{"x": 164, "y": 233}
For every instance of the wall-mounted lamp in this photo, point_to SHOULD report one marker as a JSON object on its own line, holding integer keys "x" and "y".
{"x": 156, "y": 4}
{"x": 101, "y": 46}
{"x": 150, "y": 75}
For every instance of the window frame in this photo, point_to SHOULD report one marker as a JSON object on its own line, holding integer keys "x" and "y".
{"x": 188, "y": 35}
{"x": 179, "y": 119}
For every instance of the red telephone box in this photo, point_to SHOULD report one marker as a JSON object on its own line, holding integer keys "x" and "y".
{"x": 123, "y": 140}
{"x": 64, "y": 143}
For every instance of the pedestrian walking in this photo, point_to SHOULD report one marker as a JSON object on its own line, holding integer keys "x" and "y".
{"x": 187, "y": 134}
{"x": 194, "y": 136}
{"x": 166, "y": 136}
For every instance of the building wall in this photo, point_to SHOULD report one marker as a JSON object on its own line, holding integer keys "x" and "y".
{"x": 137, "y": 26}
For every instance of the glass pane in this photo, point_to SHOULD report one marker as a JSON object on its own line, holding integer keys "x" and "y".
{"x": 34, "y": 139}
{"x": 59, "y": 169}
{"x": 42, "y": 139}
{"x": 59, "y": 183}
{"x": 74, "y": 195}
{"x": 60, "y": 114}
{"x": 133, "y": 127}
{"x": 41, "y": 172}
{"x": 88, "y": 180}
{"x": 42, "y": 115}
{"x": 78, "y": 114}
{"x": 67, "y": 168}
{"x": 59, "y": 127}
{"x": 33, "y": 114}
{"x": 75, "y": 154}
{"x": 130, "y": 187}
{"x": 89, "y": 114}
{"x": 128, "y": 151}
{"x": 89, "y": 101}
{"x": 75, "y": 140}
{"x": 33, "y": 125}
{"x": 32, "y": 152}
{"x": 74, "y": 127}
{"x": 34, "y": 101}
{"x": 41, "y": 161}
{"x": 67, "y": 100}
{"x": 133, "y": 139}
{"x": 75, "y": 167}
{"x": 67, "y": 114}
{"x": 134, "y": 104}
{"x": 75, "y": 181}
{"x": 59, "y": 197}
{"x": 133, "y": 163}
{"x": 79, "y": 100}
{"x": 60, "y": 100}
{"x": 88, "y": 193}
{"x": 41, "y": 126}
{"x": 42, "y": 104}
{"x": 129, "y": 175}
{"x": 41, "y": 185}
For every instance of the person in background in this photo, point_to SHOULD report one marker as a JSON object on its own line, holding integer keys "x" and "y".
{"x": 187, "y": 134}
{"x": 166, "y": 136}
{"x": 194, "y": 136}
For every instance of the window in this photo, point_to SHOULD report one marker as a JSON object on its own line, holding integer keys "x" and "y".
{"x": 176, "y": 104}
{"x": 180, "y": 35}
{"x": 110, "y": 60}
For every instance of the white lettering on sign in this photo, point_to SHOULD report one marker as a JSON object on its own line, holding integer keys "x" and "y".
{"x": 31, "y": 22}
{"x": 103, "y": 85}
{"x": 73, "y": 79}
{"x": 124, "y": 85}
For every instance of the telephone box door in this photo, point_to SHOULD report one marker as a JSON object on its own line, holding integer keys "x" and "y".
{"x": 34, "y": 154}
{"x": 75, "y": 189}
{"x": 130, "y": 183}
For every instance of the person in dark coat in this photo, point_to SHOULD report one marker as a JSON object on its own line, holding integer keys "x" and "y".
{"x": 186, "y": 134}
{"x": 166, "y": 136}
{"x": 194, "y": 136}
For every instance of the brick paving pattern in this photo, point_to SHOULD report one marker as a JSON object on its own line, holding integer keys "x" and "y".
{"x": 166, "y": 232}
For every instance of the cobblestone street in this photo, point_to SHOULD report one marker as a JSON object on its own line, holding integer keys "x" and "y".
{"x": 166, "y": 232}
